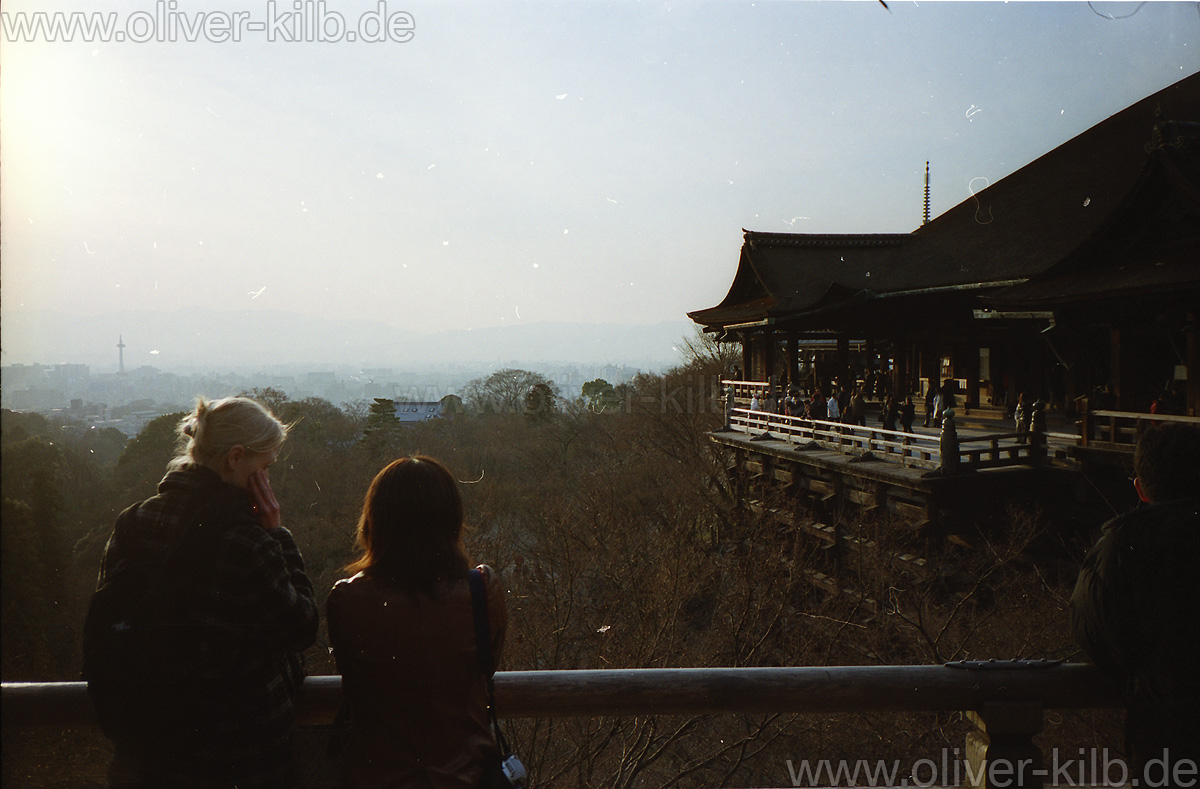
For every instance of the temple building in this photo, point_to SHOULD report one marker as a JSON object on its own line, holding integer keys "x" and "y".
{"x": 1076, "y": 274}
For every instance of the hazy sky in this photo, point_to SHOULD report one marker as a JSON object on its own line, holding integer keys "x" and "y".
{"x": 533, "y": 161}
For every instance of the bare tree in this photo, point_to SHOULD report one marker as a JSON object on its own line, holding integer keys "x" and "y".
{"x": 504, "y": 391}
{"x": 706, "y": 352}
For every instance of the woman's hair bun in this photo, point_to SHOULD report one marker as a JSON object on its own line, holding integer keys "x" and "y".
{"x": 215, "y": 427}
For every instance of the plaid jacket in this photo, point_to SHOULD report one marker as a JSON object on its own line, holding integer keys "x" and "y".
{"x": 241, "y": 607}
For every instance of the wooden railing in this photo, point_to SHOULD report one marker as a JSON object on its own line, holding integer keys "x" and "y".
{"x": 745, "y": 390}
{"x": 1121, "y": 429}
{"x": 914, "y": 449}
{"x": 1005, "y": 699}
{"x": 910, "y": 449}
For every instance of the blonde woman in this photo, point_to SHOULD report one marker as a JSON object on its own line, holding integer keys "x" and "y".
{"x": 229, "y": 607}
{"x": 403, "y": 634}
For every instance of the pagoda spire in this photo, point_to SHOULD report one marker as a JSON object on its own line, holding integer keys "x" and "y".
{"x": 925, "y": 220}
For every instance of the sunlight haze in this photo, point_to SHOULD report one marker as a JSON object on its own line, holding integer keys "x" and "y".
{"x": 526, "y": 162}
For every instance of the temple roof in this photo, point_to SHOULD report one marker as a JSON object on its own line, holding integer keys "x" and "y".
{"x": 1071, "y": 224}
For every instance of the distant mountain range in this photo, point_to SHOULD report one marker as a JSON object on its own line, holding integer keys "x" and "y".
{"x": 212, "y": 339}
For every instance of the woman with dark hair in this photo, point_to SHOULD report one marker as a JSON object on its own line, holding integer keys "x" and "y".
{"x": 403, "y": 634}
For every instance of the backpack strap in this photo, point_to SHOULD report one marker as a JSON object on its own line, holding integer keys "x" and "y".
{"x": 483, "y": 641}
{"x": 483, "y": 649}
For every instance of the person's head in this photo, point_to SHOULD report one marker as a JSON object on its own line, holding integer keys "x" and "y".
{"x": 234, "y": 436}
{"x": 411, "y": 526}
{"x": 1167, "y": 462}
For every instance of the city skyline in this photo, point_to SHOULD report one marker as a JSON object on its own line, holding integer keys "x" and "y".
{"x": 199, "y": 339}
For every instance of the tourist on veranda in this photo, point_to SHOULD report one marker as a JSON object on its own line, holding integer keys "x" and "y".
{"x": 939, "y": 405}
{"x": 1022, "y": 416}
{"x": 1136, "y": 608}
{"x": 791, "y": 405}
{"x": 1162, "y": 404}
{"x": 240, "y": 608}
{"x": 817, "y": 405}
{"x": 833, "y": 411}
{"x": 908, "y": 413}
{"x": 949, "y": 400}
{"x": 858, "y": 409}
{"x": 403, "y": 636}
{"x": 891, "y": 413}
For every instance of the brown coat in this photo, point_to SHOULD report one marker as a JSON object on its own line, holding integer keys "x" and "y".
{"x": 417, "y": 697}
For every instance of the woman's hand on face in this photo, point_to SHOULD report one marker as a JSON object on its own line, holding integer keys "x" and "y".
{"x": 266, "y": 506}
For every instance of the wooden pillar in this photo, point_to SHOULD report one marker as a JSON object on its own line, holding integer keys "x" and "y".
{"x": 871, "y": 366}
{"x": 910, "y": 367}
{"x": 931, "y": 364}
{"x": 1077, "y": 383}
{"x": 793, "y": 360}
{"x": 1192, "y": 407}
{"x": 912, "y": 358}
{"x": 1114, "y": 366}
{"x": 1001, "y": 752}
{"x": 971, "y": 396}
{"x": 768, "y": 340}
{"x": 842, "y": 366}
{"x": 756, "y": 369}
{"x": 1009, "y": 368}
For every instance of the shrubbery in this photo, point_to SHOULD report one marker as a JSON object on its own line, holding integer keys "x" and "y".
{"x": 618, "y": 534}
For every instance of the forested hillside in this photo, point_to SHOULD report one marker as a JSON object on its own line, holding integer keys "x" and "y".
{"x": 610, "y": 517}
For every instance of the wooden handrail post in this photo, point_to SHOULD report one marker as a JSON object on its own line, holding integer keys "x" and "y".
{"x": 948, "y": 443}
{"x": 1001, "y": 753}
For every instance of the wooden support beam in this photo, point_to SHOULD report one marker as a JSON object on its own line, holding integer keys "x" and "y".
{"x": 1001, "y": 751}
{"x": 908, "y": 509}
{"x": 861, "y": 497}
{"x": 826, "y": 534}
{"x": 824, "y": 488}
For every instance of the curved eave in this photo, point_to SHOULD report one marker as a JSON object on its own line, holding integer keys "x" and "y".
{"x": 717, "y": 318}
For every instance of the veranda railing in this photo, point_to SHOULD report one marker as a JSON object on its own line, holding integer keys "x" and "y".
{"x": 1006, "y": 700}
{"x": 911, "y": 449}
